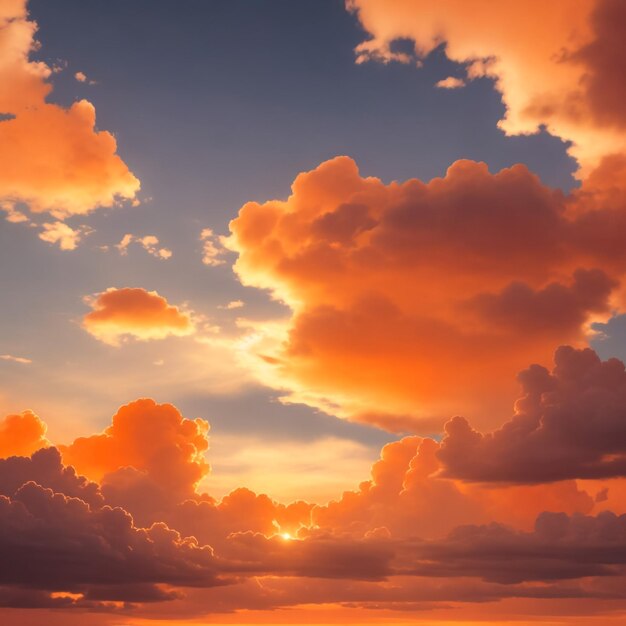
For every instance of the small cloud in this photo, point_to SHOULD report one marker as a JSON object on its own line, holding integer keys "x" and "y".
{"x": 150, "y": 243}
{"x": 12, "y": 214}
{"x": 65, "y": 236}
{"x": 134, "y": 312}
{"x": 15, "y": 359}
{"x": 81, "y": 77}
{"x": 450, "y": 83}
{"x": 212, "y": 249}
{"x": 233, "y": 304}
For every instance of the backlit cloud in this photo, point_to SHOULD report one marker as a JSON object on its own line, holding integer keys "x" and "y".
{"x": 136, "y": 313}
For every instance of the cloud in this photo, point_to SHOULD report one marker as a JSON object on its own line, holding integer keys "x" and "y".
{"x": 59, "y": 543}
{"x": 52, "y": 158}
{"x": 65, "y": 236}
{"x": 12, "y": 215}
{"x": 153, "y": 439}
{"x": 81, "y": 77}
{"x": 560, "y": 547}
{"x": 44, "y": 468}
{"x": 134, "y": 312}
{"x": 150, "y": 243}
{"x": 409, "y": 496}
{"x": 235, "y": 304}
{"x": 22, "y": 434}
{"x": 570, "y": 423}
{"x": 414, "y": 301}
{"x": 450, "y": 83}
{"x": 555, "y": 63}
{"x": 15, "y": 359}
{"x": 404, "y": 528}
{"x": 212, "y": 250}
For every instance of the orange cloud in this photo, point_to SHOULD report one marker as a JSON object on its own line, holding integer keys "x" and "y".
{"x": 52, "y": 158}
{"x": 557, "y": 63}
{"x": 154, "y": 439}
{"x": 414, "y": 301}
{"x": 22, "y": 434}
{"x": 137, "y": 313}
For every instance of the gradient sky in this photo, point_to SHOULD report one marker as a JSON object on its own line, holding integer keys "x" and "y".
{"x": 311, "y": 313}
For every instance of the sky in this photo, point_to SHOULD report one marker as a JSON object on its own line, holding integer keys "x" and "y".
{"x": 313, "y": 312}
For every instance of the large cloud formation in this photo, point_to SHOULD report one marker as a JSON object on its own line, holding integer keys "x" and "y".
{"x": 133, "y": 312}
{"x": 139, "y": 532}
{"x": 52, "y": 159}
{"x": 413, "y": 301}
{"x": 559, "y": 63}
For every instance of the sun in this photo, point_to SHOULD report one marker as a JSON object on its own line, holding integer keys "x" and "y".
{"x": 286, "y": 536}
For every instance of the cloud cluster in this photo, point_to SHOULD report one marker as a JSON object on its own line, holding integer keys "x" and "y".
{"x": 134, "y": 312}
{"x": 114, "y": 520}
{"x": 150, "y": 243}
{"x": 414, "y": 301}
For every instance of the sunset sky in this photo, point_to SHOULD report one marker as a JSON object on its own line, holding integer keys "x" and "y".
{"x": 313, "y": 312}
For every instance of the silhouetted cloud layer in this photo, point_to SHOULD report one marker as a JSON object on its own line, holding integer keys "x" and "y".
{"x": 136, "y": 531}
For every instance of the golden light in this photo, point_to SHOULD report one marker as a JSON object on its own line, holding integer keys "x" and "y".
{"x": 286, "y": 536}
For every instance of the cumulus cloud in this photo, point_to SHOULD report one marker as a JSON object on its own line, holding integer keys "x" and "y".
{"x": 570, "y": 423}
{"x": 52, "y": 158}
{"x": 555, "y": 63}
{"x": 150, "y": 243}
{"x": 59, "y": 543}
{"x": 45, "y": 468}
{"x": 22, "y": 434}
{"x": 134, "y": 313}
{"x": 414, "y": 301}
{"x": 152, "y": 438}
